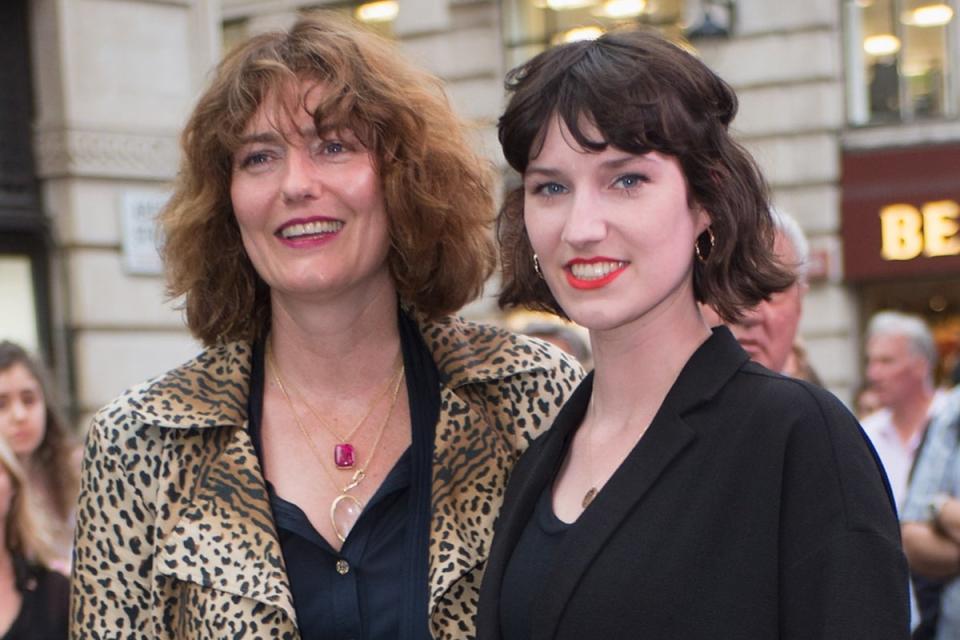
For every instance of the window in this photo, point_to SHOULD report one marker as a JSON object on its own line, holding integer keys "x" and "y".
{"x": 530, "y": 26}
{"x": 19, "y": 304}
{"x": 901, "y": 60}
{"x": 378, "y": 15}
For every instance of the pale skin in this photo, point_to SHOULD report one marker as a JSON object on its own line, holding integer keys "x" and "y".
{"x": 931, "y": 553}
{"x": 629, "y": 214}
{"x": 334, "y": 330}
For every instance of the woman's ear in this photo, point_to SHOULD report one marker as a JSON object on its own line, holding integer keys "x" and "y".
{"x": 701, "y": 219}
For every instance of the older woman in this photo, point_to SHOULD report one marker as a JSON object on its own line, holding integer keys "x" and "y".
{"x": 331, "y": 465}
{"x": 683, "y": 492}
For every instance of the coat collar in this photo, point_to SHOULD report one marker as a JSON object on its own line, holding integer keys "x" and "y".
{"x": 204, "y": 392}
{"x": 212, "y": 391}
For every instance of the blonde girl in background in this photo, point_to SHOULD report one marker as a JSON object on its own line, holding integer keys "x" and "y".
{"x": 41, "y": 442}
{"x": 34, "y": 598}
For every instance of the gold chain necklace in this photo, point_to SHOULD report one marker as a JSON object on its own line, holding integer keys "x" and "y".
{"x": 344, "y": 452}
{"x": 346, "y": 508}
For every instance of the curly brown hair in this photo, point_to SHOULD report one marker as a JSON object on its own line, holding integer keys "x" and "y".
{"x": 644, "y": 93}
{"x": 437, "y": 191}
{"x": 53, "y": 460}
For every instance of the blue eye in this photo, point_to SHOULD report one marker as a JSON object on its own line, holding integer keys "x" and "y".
{"x": 629, "y": 180}
{"x": 549, "y": 189}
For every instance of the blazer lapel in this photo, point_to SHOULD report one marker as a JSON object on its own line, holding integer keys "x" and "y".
{"x": 666, "y": 438}
{"x": 704, "y": 374}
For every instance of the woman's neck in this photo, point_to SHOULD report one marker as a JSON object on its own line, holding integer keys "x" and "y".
{"x": 635, "y": 366}
{"x": 339, "y": 345}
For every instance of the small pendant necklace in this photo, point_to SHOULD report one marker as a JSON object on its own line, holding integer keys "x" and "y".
{"x": 592, "y": 491}
{"x": 345, "y": 509}
{"x": 344, "y": 451}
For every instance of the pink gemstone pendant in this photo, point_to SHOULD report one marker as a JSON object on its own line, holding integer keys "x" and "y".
{"x": 344, "y": 456}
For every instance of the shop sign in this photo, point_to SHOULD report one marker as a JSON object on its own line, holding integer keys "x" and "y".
{"x": 907, "y": 232}
{"x": 901, "y": 213}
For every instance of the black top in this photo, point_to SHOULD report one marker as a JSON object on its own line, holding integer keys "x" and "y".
{"x": 526, "y": 574}
{"x": 382, "y": 595}
{"x": 44, "y": 612}
{"x": 752, "y": 508}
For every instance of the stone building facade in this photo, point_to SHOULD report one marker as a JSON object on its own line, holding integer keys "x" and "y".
{"x": 112, "y": 82}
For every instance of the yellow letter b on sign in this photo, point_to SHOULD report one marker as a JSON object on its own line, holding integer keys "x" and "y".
{"x": 906, "y": 233}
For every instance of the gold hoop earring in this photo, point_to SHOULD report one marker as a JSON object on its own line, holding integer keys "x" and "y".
{"x": 704, "y": 255}
{"x": 536, "y": 266}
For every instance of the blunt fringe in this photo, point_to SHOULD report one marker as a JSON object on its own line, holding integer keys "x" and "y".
{"x": 643, "y": 93}
{"x": 437, "y": 191}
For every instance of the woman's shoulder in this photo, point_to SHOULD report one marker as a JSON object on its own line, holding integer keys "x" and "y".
{"x": 825, "y": 450}
{"x": 209, "y": 389}
{"x": 788, "y": 397}
{"x": 467, "y": 351}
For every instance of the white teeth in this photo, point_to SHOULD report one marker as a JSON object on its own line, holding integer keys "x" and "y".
{"x": 595, "y": 270}
{"x": 311, "y": 228}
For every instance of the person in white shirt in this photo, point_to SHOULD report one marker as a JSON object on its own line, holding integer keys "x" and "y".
{"x": 901, "y": 357}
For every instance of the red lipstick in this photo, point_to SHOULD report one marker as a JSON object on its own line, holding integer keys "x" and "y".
{"x": 593, "y": 283}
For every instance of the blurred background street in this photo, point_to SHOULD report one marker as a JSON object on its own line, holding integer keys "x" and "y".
{"x": 851, "y": 108}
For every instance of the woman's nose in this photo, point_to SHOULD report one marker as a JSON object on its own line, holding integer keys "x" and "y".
{"x": 585, "y": 223}
{"x": 300, "y": 180}
{"x": 18, "y": 410}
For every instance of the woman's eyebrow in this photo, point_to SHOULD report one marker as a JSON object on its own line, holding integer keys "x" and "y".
{"x": 265, "y": 136}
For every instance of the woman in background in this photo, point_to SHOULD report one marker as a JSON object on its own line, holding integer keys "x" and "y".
{"x": 30, "y": 422}
{"x": 331, "y": 465}
{"x": 684, "y": 493}
{"x": 33, "y": 597}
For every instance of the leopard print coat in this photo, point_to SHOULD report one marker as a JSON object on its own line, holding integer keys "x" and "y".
{"x": 175, "y": 537}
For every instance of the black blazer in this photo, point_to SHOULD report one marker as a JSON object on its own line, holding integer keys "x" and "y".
{"x": 753, "y": 508}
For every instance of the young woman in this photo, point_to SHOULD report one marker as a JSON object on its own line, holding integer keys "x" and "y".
{"x": 331, "y": 465}
{"x": 30, "y": 422}
{"x": 33, "y": 597}
{"x": 683, "y": 492}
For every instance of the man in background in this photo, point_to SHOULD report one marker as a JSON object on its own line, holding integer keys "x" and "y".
{"x": 768, "y": 332}
{"x": 930, "y": 524}
{"x": 901, "y": 358}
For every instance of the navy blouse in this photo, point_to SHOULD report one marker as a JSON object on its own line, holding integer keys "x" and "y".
{"x": 375, "y": 587}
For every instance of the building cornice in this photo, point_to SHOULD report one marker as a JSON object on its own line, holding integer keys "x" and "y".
{"x": 64, "y": 153}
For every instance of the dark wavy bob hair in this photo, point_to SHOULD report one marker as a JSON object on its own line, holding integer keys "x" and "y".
{"x": 437, "y": 191}
{"x": 644, "y": 93}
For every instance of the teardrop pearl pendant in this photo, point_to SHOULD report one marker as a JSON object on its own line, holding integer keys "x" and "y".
{"x": 345, "y": 510}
